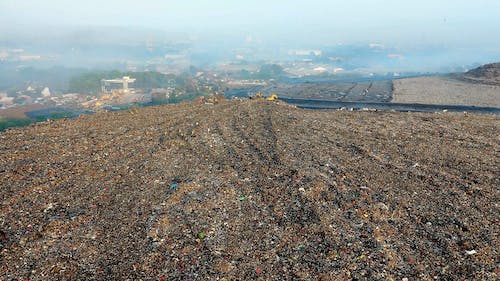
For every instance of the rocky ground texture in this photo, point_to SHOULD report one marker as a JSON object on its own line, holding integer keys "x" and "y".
{"x": 446, "y": 90}
{"x": 251, "y": 190}
{"x": 375, "y": 91}
{"x": 477, "y": 87}
{"x": 486, "y": 74}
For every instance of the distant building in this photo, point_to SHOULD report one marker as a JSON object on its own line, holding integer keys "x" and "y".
{"x": 305, "y": 53}
{"x": 6, "y": 101}
{"x": 46, "y": 92}
{"x": 320, "y": 69}
{"x": 125, "y": 81}
{"x": 30, "y": 58}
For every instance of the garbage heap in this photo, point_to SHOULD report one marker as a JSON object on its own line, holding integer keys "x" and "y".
{"x": 251, "y": 189}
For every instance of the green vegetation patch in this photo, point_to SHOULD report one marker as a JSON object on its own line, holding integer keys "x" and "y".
{"x": 8, "y": 123}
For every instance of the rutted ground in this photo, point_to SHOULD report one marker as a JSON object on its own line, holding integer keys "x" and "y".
{"x": 248, "y": 190}
{"x": 375, "y": 91}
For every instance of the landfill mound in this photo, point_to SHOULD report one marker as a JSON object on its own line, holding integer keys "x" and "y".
{"x": 446, "y": 90}
{"x": 251, "y": 189}
{"x": 486, "y": 74}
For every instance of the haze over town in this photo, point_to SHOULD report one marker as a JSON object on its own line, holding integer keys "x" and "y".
{"x": 57, "y": 53}
{"x": 461, "y": 23}
{"x": 443, "y": 31}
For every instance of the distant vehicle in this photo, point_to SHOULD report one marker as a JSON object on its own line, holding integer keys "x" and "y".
{"x": 273, "y": 97}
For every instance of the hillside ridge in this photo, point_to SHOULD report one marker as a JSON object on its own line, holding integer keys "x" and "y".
{"x": 485, "y": 74}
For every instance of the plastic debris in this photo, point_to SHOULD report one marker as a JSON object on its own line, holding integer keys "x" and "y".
{"x": 176, "y": 207}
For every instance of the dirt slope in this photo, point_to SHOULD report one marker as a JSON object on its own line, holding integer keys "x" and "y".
{"x": 486, "y": 74}
{"x": 249, "y": 190}
{"x": 445, "y": 90}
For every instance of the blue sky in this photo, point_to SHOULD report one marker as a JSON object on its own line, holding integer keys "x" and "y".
{"x": 426, "y": 21}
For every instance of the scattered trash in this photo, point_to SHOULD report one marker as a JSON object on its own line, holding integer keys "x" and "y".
{"x": 282, "y": 193}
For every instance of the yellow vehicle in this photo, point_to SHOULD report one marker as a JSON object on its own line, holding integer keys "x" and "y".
{"x": 259, "y": 96}
{"x": 214, "y": 99}
{"x": 273, "y": 97}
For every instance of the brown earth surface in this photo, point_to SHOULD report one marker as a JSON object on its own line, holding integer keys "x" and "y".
{"x": 445, "y": 90}
{"x": 251, "y": 190}
{"x": 486, "y": 74}
{"x": 19, "y": 112}
{"x": 376, "y": 91}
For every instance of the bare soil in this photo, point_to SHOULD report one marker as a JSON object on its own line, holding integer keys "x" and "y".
{"x": 19, "y": 112}
{"x": 248, "y": 190}
{"x": 376, "y": 91}
{"x": 445, "y": 90}
{"x": 486, "y": 74}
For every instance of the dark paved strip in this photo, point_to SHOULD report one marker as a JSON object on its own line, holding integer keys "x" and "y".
{"x": 402, "y": 107}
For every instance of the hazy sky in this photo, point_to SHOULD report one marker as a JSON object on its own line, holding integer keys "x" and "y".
{"x": 426, "y": 21}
